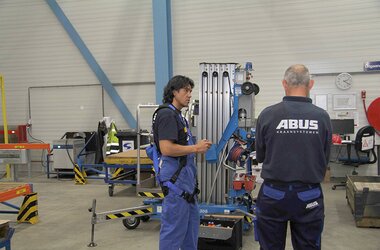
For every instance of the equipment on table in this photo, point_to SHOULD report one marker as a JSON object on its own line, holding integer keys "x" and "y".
{"x": 16, "y": 133}
{"x": 128, "y": 139}
{"x": 17, "y": 153}
{"x": 13, "y": 156}
{"x": 66, "y": 152}
{"x": 343, "y": 127}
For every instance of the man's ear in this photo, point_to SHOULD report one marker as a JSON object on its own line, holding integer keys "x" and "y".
{"x": 311, "y": 84}
{"x": 284, "y": 84}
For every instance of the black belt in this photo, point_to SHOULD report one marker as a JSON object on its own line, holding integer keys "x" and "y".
{"x": 290, "y": 183}
{"x": 189, "y": 197}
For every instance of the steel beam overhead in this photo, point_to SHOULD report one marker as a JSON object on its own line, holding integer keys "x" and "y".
{"x": 102, "y": 77}
{"x": 162, "y": 45}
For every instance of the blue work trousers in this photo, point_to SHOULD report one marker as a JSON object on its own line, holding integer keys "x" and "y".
{"x": 179, "y": 223}
{"x": 300, "y": 204}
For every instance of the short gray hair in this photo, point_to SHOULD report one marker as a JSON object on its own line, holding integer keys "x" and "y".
{"x": 297, "y": 75}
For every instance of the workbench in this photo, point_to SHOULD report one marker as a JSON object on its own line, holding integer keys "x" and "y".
{"x": 18, "y": 153}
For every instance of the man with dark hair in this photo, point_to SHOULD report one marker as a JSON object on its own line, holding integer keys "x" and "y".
{"x": 293, "y": 141}
{"x": 177, "y": 172}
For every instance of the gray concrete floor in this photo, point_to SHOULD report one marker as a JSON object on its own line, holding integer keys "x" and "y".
{"x": 64, "y": 220}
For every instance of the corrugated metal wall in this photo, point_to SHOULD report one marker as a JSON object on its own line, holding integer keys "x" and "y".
{"x": 36, "y": 51}
{"x": 328, "y": 36}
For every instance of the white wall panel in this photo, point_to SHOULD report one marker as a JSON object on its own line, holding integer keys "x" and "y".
{"x": 327, "y": 36}
{"x": 118, "y": 33}
{"x": 56, "y": 110}
{"x": 132, "y": 95}
{"x": 35, "y": 50}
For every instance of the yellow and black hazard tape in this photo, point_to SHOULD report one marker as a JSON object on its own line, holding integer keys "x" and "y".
{"x": 29, "y": 209}
{"x": 117, "y": 172}
{"x": 151, "y": 195}
{"x": 249, "y": 219}
{"x": 129, "y": 213}
{"x": 80, "y": 177}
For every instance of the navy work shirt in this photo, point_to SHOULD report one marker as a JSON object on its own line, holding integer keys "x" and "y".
{"x": 169, "y": 126}
{"x": 293, "y": 141}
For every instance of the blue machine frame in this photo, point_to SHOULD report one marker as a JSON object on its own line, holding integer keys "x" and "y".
{"x": 239, "y": 201}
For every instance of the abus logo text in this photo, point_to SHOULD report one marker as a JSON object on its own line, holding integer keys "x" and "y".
{"x": 298, "y": 124}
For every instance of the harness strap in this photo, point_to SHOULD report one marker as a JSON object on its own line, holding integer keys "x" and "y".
{"x": 156, "y": 162}
{"x": 189, "y": 197}
{"x": 182, "y": 159}
{"x": 182, "y": 163}
{"x": 170, "y": 185}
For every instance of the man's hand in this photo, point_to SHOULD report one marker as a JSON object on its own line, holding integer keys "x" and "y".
{"x": 172, "y": 149}
{"x": 202, "y": 146}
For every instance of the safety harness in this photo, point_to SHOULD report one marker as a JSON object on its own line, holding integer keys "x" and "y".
{"x": 170, "y": 185}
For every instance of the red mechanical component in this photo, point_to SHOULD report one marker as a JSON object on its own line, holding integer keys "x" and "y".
{"x": 336, "y": 139}
{"x": 20, "y": 132}
{"x": 244, "y": 181}
{"x": 373, "y": 114}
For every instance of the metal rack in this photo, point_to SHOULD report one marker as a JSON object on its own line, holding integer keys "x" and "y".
{"x": 139, "y": 188}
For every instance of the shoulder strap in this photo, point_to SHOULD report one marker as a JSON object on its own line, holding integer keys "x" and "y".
{"x": 163, "y": 106}
{"x": 154, "y": 116}
{"x": 183, "y": 159}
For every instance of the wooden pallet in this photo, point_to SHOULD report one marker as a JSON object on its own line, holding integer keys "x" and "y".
{"x": 368, "y": 222}
{"x": 363, "y": 196}
{"x": 373, "y": 186}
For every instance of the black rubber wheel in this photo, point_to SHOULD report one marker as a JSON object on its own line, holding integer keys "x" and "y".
{"x": 145, "y": 218}
{"x": 110, "y": 190}
{"x": 131, "y": 223}
{"x": 333, "y": 187}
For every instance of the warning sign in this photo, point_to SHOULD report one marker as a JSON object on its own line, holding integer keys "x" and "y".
{"x": 367, "y": 142}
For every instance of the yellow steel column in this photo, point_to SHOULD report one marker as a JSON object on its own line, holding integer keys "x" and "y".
{"x": 8, "y": 167}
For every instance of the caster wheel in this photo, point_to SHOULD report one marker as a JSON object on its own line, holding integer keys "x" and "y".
{"x": 110, "y": 190}
{"x": 131, "y": 223}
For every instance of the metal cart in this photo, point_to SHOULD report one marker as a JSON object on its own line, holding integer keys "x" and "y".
{"x": 125, "y": 169}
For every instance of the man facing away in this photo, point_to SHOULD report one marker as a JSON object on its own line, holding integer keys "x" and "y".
{"x": 177, "y": 172}
{"x": 293, "y": 141}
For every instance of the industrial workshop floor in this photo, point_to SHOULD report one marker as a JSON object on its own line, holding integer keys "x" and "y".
{"x": 64, "y": 220}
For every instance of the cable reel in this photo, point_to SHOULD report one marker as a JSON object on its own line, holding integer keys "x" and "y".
{"x": 248, "y": 88}
{"x": 238, "y": 154}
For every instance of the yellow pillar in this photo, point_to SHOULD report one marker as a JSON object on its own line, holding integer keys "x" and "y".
{"x": 8, "y": 167}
